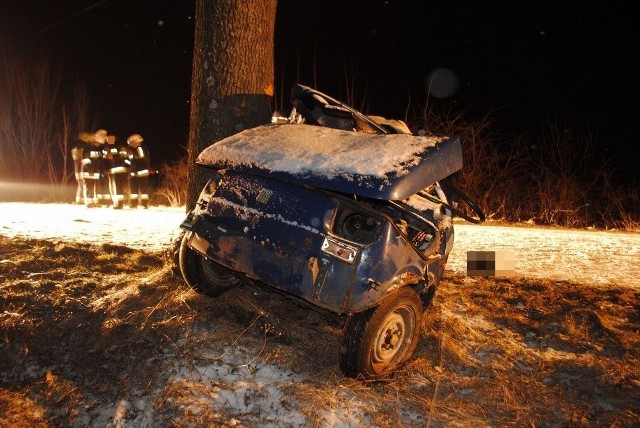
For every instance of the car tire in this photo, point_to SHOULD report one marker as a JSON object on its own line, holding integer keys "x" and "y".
{"x": 201, "y": 274}
{"x": 377, "y": 341}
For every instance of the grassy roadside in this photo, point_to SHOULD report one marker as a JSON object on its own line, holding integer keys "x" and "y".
{"x": 83, "y": 327}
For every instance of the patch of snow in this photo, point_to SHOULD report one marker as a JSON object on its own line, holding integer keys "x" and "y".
{"x": 306, "y": 149}
{"x": 151, "y": 229}
{"x": 243, "y": 390}
{"x": 241, "y": 211}
{"x": 583, "y": 256}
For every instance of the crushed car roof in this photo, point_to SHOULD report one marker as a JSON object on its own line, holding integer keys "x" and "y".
{"x": 381, "y": 166}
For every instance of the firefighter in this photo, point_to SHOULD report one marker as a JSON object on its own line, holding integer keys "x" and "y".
{"x": 139, "y": 175}
{"x": 104, "y": 193}
{"x": 118, "y": 169}
{"x": 92, "y": 167}
{"x": 77, "y": 154}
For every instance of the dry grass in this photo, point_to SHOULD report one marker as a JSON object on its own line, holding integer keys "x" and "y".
{"x": 83, "y": 326}
{"x": 557, "y": 175}
{"x": 172, "y": 189}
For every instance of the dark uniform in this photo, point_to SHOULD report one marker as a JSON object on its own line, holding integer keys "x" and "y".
{"x": 119, "y": 167}
{"x": 104, "y": 193}
{"x": 92, "y": 168}
{"x": 77, "y": 155}
{"x": 139, "y": 175}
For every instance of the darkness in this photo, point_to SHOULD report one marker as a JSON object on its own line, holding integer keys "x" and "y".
{"x": 528, "y": 62}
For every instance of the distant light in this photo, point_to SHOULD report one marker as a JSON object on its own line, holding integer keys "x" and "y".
{"x": 160, "y": 22}
{"x": 543, "y": 33}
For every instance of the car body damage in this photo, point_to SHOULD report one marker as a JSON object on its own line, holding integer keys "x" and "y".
{"x": 347, "y": 212}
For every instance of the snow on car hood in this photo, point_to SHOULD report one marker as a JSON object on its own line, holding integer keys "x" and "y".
{"x": 383, "y": 166}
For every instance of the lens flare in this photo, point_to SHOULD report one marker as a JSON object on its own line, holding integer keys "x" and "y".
{"x": 441, "y": 83}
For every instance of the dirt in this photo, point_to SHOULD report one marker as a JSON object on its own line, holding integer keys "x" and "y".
{"x": 107, "y": 335}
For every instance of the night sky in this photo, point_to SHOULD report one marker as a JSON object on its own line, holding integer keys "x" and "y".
{"x": 526, "y": 61}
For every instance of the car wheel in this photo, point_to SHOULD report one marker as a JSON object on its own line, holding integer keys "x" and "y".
{"x": 201, "y": 274}
{"x": 376, "y": 341}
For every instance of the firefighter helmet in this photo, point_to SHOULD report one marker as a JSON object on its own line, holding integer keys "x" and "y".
{"x": 135, "y": 140}
{"x": 100, "y": 136}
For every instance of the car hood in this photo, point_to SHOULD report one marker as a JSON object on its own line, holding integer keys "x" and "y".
{"x": 381, "y": 166}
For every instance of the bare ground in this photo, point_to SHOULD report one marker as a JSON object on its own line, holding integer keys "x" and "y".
{"x": 105, "y": 335}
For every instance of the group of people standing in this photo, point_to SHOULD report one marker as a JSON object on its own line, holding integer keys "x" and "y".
{"x": 109, "y": 174}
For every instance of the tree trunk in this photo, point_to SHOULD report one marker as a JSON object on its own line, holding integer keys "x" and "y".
{"x": 232, "y": 83}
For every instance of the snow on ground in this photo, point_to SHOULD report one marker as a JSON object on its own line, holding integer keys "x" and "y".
{"x": 150, "y": 229}
{"x": 584, "y": 256}
{"x": 237, "y": 389}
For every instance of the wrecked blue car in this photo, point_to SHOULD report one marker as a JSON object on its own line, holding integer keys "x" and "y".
{"x": 347, "y": 212}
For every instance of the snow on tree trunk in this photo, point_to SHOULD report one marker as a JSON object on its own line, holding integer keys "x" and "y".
{"x": 232, "y": 82}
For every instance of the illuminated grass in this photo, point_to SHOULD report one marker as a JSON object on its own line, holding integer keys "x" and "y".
{"x": 94, "y": 338}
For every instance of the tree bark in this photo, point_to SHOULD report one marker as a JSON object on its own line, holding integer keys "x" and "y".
{"x": 232, "y": 80}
